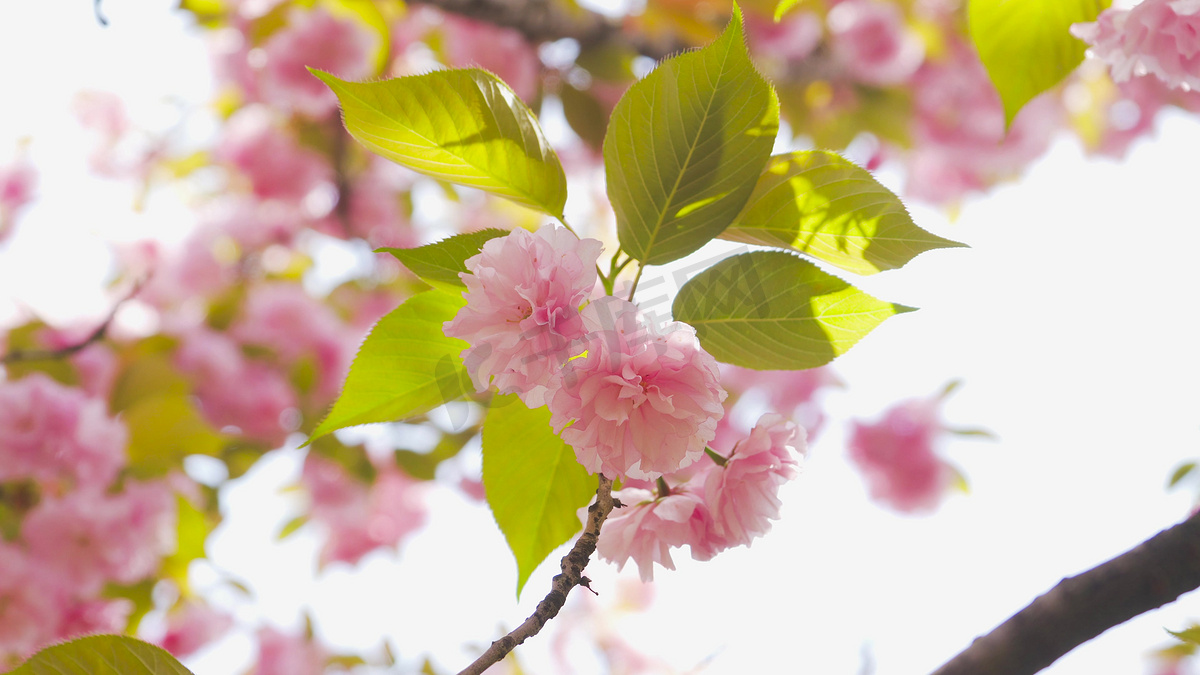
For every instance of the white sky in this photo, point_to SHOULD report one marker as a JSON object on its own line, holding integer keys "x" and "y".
{"x": 1071, "y": 321}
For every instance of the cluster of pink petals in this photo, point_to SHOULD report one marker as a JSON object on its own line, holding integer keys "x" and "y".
{"x": 522, "y": 318}
{"x": 503, "y": 51}
{"x": 17, "y": 184}
{"x": 716, "y": 508}
{"x": 278, "y": 168}
{"x": 896, "y": 456}
{"x": 192, "y": 626}
{"x": 360, "y": 518}
{"x": 52, "y": 433}
{"x": 319, "y": 40}
{"x": 872, "y": 42}
{"x": 235, "y": 391}
{"x": 743, "y": 495}
{"x": 283, "y": 654}
{"x": 286, "y": 319}
{"x": 1159, "y": 37}
{"x": 640, "y": 403}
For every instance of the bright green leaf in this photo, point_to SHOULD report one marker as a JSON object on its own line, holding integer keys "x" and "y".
{"x": 102, "y": 655}
{"x": 1191, "y": 635}
{"x": 771, "y": 310}
{"x": 819, "y": 203}
{"x": 406, "y": 366}
{"x": 685, "y": 147}
{"x": 463, "y": 126}
{"x": 784, "y": 7}
{"x": 165, "y": 429}
{"x": 1026, "y": 45}
{"x": 533, "y": 482}
{"x": 440, "y": 263}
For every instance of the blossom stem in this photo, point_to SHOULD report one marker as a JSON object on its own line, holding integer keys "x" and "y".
{"x": 636, "y": 279}
{"x": 572, "y": 575}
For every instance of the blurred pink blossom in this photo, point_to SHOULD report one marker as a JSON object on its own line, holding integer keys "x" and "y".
{"x": 89, "y": 617}
{"x": 192, "y": 626}
{"x": 32, "y": 604}
{"x": 18, "y": 181}
{"x": 647, "y": 527}
{"x": 743, "y": 495}
{"x": 49, "y": 432}
{"x": 503, "y": 51}
{"x": 522, "y": 318}
{"x": 283, "y": 654}
{"x": 896, "y": 456}
{"x": 360, "y": 518}
{"x": 277, "y": 167}
{"x": 872, "y": 42}
{"x": 641, "y": 403}
{"x": 376, "y": 214}
{"x": 234, "y": 390}
{"x": 89, "y": 538}
{"x": 1159, "y": 37}
{"x": 118, "y": 153}
{"x": 792, "y": 39}
{"x": 315, "y": 39}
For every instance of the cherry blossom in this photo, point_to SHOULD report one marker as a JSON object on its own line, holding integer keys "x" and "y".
{"x": 1159, "y": 37}
{"x": 50, "y": 432}
{"x": 648, "y": 527}
{"x": 897, "y": 458}
{"x": 871, "y": 41}
{"x": 278, "y": 168}
{"x": 283, "y": 654}
{"x": 192, "y": 626}
{"x": 743, "y": 495}
{"x": 522, "y": 317}
{"x": 641, "y": 402}
{"x": 17, "y": 184}
{"x": 32, "y": 604}
{"x": 503, "y": 51}
{"x": 315, "y": 39}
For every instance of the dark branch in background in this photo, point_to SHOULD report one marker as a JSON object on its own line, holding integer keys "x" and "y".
{"x": 23, "y": 355}
{"x": 1079, "y": 608}
{"x": 572, "y": 576}
{"x": 99, "y": 17}
{"x": 547, "y": 20}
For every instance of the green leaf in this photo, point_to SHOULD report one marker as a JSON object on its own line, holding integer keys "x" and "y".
{"x": 533, "y": 482}
{"x": 771, "y": 310}
{"x": 1180, "y": 473}
{"x": 1026, "y": 45}
{"x": 192, "y": 529}
{"x": 784, "y": 7}
{"x": 440, "y": 263}
{"x": 406, "y": 366}
{"x": 290, "y": 527}
{"x": 685, "y": 147}
{"x": 819, "y": 203}
{"x": 463, "y": 126}
{"x": 165, "y": 429}
{"x": 1191, "y": 635}
{"x": 102, "y": 655}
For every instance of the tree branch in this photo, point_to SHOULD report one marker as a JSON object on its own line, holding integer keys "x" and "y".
{"x": 571, "y": 576}
{"x": 546, "y": 20}
{"x": 1079, "y": 608}
{"x": 23, "y": 355}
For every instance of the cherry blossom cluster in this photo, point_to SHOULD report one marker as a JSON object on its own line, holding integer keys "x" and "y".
{"x": 1155, "y": 37}
{"x": 633, "y": 400}
{"x": 897, "y": 457}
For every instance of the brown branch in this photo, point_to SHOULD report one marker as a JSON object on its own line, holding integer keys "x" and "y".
{"x": 25, "y": 355}
{"x": 1079, "y": 608}
{"x": 546, "y": 20}
{"x": 571, "y": 576}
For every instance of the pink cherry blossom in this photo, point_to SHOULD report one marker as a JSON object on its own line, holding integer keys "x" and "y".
{"x": 88, "y": 617}
{"x": 648, "y": 527}
{"x": 283, "y": 654}
{"x": 503, "y": 51}
{"x": 192, "y": 626}
{"x": 234, "y": 390}
{"x": 50, "y": 432}
{"x": 871, "y": 41}
{"x": 286, "y": 319}
{"x": 315, "y": 39}
{"x": 641, "y": 403}
{"x": 522, "y": 318}
{"x": 1159, "y": 37}
{"x": 18, "y": 181}
{"x": 792, "y": 39}
{"x": 89, "y": 538}
{"x": 360, "y": 518}
{"x": 743, "y": 495}
{"x": 32, "y": 604}
{"x": 375, "y": 205}
{"x": 897, "y": 458}
{"x": 256, "y": 144}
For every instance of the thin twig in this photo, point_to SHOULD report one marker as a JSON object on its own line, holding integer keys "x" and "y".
{"x": 571, "y": 576}
{"x": 1079, "y": 608}
{"x": 99, "y": 16}
{"x": 25, "y": 355}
